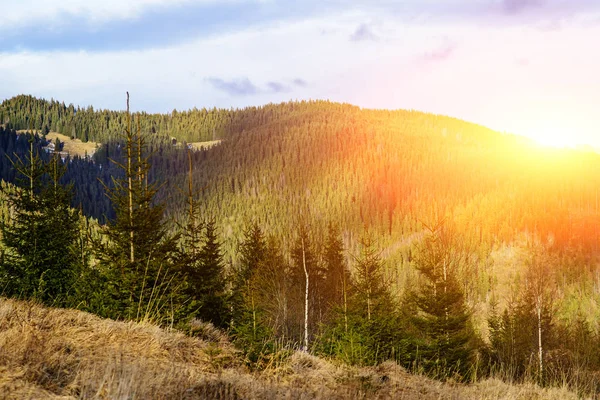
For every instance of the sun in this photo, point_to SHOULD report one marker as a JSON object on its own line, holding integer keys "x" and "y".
{"x": 557, "y": 126}
{"x": 554, "y": 138}
{"x": 554, "y": 131}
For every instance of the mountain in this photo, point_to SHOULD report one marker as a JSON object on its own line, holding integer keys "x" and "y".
{"x": 328, "y": 162}
{"x": 442, "y": 226}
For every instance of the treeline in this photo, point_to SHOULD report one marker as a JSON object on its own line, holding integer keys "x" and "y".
{"x": 383, "y": 169}
{"x": 315, "y": 294}
{"x": 87, "y": 124}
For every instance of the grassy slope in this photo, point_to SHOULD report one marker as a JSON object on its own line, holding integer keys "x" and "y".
{"x": 75, "y": 147}
{"x": 55, "y": 353}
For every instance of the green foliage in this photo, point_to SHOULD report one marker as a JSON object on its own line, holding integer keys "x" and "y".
{"x": 307, "y": 283}
{"x": 337, "y": 275}
{"x": 444, "y": 345}
{"x": 40, "y": 237}
{"x": 136, "y": 253}
{"x": 525, "y": 332}
{"x": 205, "y": 283}
{"x": 259, "y": 299}
{"x": 367, "y": 329}
{"x": 345, "y": 167}
{"x": 252, "y": 254}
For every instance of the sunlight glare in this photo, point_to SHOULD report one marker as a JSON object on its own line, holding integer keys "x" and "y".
{"x": 554, "y": 138}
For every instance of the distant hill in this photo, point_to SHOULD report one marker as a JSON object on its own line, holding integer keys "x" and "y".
{"x": 71, "y": 147}
{"x": 510, "y": 205}
{"x": 330, "y": 162}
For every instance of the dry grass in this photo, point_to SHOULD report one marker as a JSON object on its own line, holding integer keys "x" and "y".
{"x": 205, "y": 145}
{"x": 55, "y": 353}
{"x": 75, "y": 147}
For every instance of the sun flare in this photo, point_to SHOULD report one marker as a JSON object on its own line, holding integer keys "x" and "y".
{"x": 557, "y": 129}
{"x": 554, "y": 138}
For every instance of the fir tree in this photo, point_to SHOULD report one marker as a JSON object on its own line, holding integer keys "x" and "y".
{"x": 206, "y": 282}
{"x": 337, "y": 276}
{"x": 41, "y": 235}
{"x": 367, "y": 331}
{"x": 445, "y": 344}
{"x": 136, "y": 253}
{"x": 245, "y": 290}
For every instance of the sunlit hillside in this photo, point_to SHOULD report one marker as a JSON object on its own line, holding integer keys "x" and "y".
{"x": 384, "y": 169}
{"x": 48, "y": 353}
{"x": 356, "y": 234}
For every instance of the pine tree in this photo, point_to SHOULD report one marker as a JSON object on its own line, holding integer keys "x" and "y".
{"x": 245, "y": 290}
{"x": 41, "y": 235}
{"x": 445, "y": 344}
{"x": 524, "y": 333}
{"x": 366, "y": 329}
{"x": 136, "y": 253}
{"x": 206, "y": 282}
{"x": 369, "y": 289}
{"x": 189, "y": 250}
{"x": 337, "y": 276}
{"x": 257, "y": 296}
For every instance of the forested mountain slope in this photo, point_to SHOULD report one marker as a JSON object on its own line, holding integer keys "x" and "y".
{"x": 327, "y": 162}
{"x": 362, "y": 235}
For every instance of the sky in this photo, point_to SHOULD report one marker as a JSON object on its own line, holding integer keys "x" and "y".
{"x": 528, "y": 67}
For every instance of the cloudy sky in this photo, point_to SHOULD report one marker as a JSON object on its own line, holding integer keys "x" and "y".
{"x": 523, "y": 66}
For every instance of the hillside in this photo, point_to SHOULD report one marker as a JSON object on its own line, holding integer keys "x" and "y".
{"x": 360, "y": 233}
{"x": 48, "y": 353}
{"x": 338, "y": 163}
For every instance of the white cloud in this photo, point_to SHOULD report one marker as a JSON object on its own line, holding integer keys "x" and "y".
{"x": 53, "y": 13}
{"x": 520, "y": 79}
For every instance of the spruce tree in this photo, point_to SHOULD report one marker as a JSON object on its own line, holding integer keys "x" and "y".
{"x": 257, "y": 295}
{"x": 444, "y": 346}
{"x": 366, "y": 330}
{"x": 524, "y": 333}
{"x": 206, "y": 282}
{"x": 136, "y": 252}
{"x": 40, "y": 235}
{"x": 337, "y": 275}
{"x": 245, "y": 291}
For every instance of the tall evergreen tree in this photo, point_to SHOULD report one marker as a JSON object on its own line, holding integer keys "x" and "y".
{"x": 524, "y": 333}
{"x": 366, "y": 330}
{"x": 337, "y": 275}
{"x": 207, "y": 282}
{"x": 245, "y": 290}
{"x": 137, "y": 253}
{"x": 255, "y": 297}
{"x": 41, "y": 234}
{"x": 445, "y": 343}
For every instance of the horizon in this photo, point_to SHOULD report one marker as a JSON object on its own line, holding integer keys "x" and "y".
{"x": 516, "y": 66}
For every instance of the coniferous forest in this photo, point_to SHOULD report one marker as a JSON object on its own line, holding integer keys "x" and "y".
{"x": 357, "y": 235}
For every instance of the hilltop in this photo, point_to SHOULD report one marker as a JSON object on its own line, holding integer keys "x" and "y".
{"x": 330, "y": 224}
{"x": 338, "y": 163}
{"x": 48, "y": 353}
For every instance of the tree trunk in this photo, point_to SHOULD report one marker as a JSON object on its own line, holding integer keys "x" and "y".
{"x": 540, "y": 348}
{"x": 305, "y": 347}
{"x": 130, "y": 183}
{"x": 345, "y": 303}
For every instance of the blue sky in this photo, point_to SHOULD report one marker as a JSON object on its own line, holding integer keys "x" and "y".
{"x": 524, "y": 66}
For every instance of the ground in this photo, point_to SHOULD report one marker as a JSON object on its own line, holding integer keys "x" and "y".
{"x": 51, "y": 353}
{"x": 75, "y": 147}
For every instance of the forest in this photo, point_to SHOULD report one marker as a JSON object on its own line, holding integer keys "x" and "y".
{"x": 353, "y": 234}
